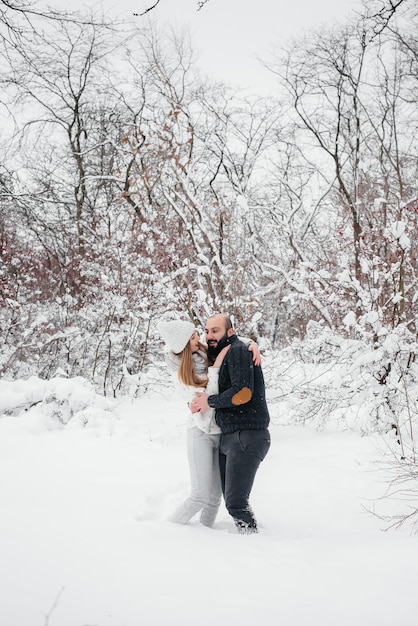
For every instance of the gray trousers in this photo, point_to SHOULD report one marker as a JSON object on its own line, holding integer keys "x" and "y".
{"x": 206, "y": 489}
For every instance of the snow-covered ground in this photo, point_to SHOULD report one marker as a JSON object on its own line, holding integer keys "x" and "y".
{"x": 87, "y": 485}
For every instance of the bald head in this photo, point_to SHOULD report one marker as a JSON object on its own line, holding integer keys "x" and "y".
{"x": 220, "y": 320}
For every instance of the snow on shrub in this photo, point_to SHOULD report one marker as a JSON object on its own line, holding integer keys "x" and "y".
{"x": 327, "y": 380}
{"x": 54, "y": 402}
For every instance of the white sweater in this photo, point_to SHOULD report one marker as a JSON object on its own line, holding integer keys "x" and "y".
{"x": 204, "y": 420}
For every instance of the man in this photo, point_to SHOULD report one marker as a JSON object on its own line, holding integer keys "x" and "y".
{"x": 241, "y": 413}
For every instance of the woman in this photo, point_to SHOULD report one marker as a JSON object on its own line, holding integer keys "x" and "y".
{"x": 189, "y": 364}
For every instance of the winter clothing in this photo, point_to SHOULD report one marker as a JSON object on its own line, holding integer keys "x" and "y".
{"x": 241, "y": 402}
{"x": 176, "y": 334}
{"x": 205, "y": 420}
{"x": 203, "y": 437}
{"x": 242, "y": 415}
{"x": 206, "y": 490}
{"x": 240, "y": 455}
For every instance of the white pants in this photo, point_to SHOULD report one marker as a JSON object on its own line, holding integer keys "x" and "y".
{"x": 206, "y": 490}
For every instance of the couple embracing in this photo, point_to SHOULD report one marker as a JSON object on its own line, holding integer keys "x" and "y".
{"x": 228, "y": 433}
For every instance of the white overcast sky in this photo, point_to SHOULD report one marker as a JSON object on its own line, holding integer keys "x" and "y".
{"x": 229, "y": 35}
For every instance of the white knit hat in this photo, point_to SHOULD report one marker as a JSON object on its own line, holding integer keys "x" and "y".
{"x": 176, "y": 334}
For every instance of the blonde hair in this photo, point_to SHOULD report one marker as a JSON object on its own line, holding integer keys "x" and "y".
{"x": 186, "y": 373}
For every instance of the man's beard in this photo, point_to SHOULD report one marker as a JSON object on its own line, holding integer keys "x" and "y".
{"x": 215, "y": 348}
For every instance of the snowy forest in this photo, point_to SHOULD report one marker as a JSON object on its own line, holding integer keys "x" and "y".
{"x": 132, "y": 189}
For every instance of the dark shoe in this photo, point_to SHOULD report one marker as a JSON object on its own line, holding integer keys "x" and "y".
{"x": 245, "y": 528}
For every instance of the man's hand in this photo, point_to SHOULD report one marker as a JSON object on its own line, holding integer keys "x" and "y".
{"x": 253, "y": 347}
{"x": 199, "y": 402}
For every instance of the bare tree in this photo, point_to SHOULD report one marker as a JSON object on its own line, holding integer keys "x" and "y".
{"x": 347, "y": 94}
{"x": 151, "y": 7}
{"x": 378, "y": 14}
